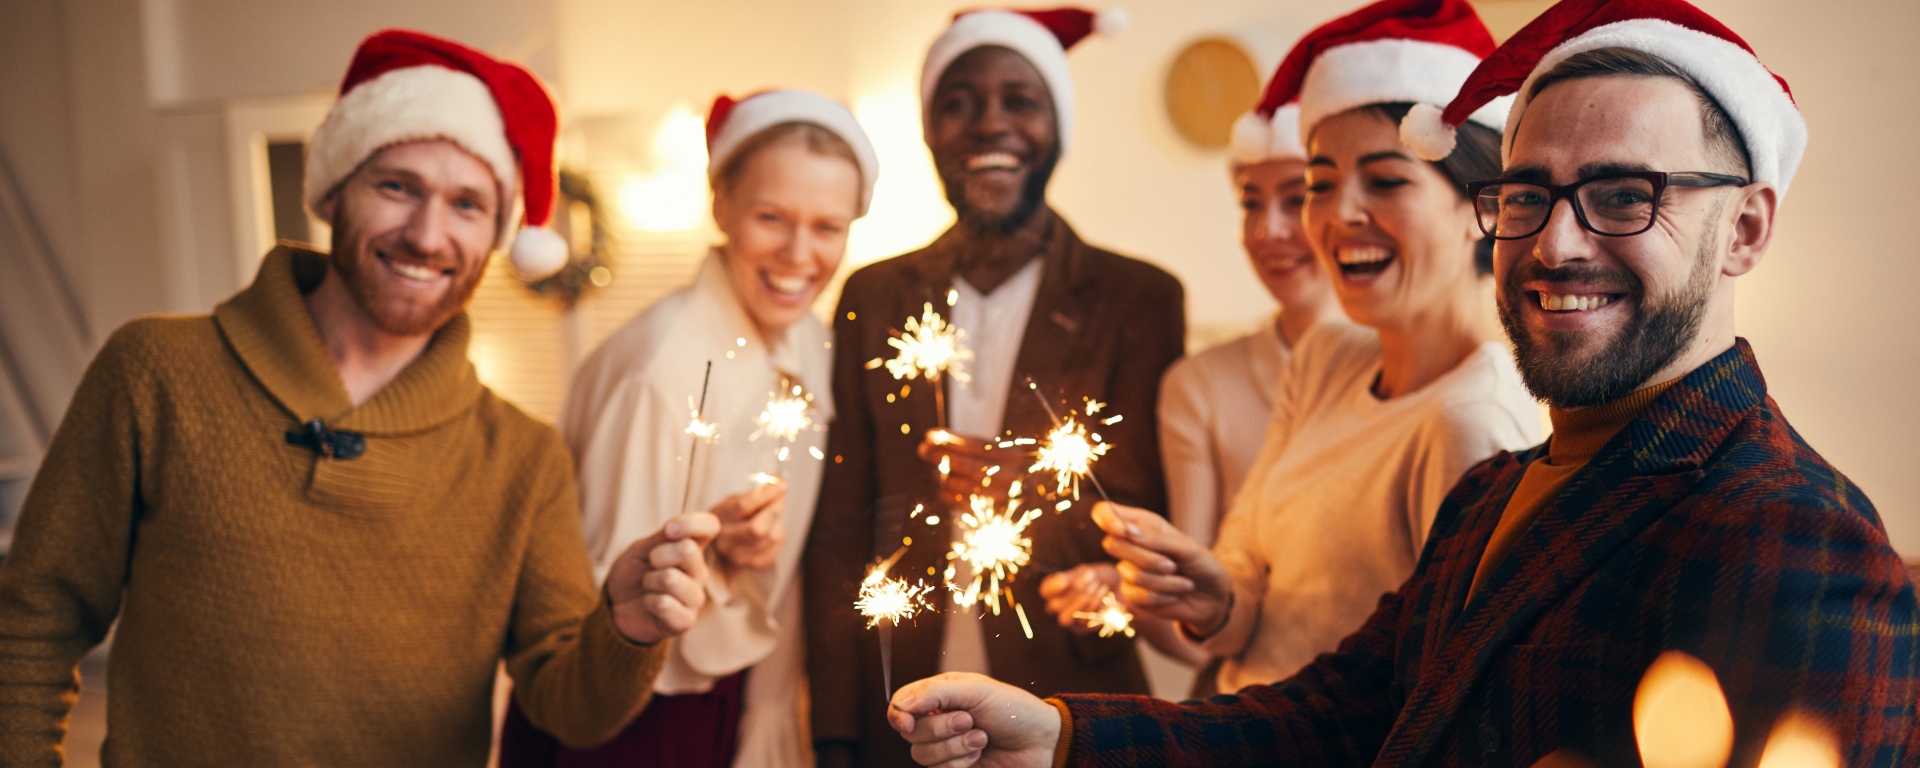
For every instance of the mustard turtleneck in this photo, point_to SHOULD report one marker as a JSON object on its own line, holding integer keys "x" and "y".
{"x": 1578, "y": 435}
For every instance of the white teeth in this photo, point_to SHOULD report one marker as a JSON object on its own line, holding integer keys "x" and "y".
{"x": 788, "y": 285}
{"x": 1363, "y": 254}
{"x": 993, "y": 160}
{"x": 1558, "y": 302}
{"x": 414, "y": 271}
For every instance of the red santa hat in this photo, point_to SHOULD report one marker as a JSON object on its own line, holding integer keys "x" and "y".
{"x": 1042, "y": 36}
{"x": 1392, "y": 51}
{"x": 407, "y": 86}
{"x": 1756, "y": 100}
{"x": 731, "y": 123}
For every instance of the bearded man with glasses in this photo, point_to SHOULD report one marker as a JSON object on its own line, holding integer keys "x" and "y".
{"x": 1674, "y": 509}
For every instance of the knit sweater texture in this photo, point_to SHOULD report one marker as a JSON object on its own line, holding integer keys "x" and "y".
{"x": 279, "y": 607}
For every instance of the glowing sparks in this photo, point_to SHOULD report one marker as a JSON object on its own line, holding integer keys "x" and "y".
{"x": 1068, "y": 451}
{"x": 993, "y": 543}
{"x": 701, "y": 430}
{"x": 786, "y": 416}
{"x": 1112, "y": 618}
{"x": 890, "y": 600}
{"x": 930, "y": 347}
{"x": 762, "y": 478}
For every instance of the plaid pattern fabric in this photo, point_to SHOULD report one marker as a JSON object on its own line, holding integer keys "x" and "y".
{"x": 1708, "y": 525}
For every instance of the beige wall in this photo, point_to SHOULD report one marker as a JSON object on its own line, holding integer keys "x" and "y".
{"x": 1823, "y": 311}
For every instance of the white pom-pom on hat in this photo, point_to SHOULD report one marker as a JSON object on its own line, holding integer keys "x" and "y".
{"x": 1426, "y": 134}
{"x": 538, "y": 252}
{"x": 1111, "y": 21}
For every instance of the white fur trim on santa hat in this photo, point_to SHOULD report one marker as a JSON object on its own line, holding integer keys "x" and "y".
{"x": 765, "y": 110}
{"x": 1257, "y": 141}
{"x": 1010, "y": 30}
{"x": 538, "y": 252}
{"x": 1774, "y": 130}
{"x": 411, "y": 104}
{"x": 1381, "y": 71}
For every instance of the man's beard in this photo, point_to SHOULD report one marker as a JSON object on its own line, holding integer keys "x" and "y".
{"x": 1033, "y": 195}
{"x": 1650, "y": 340}
{"x": 392, "y": 316}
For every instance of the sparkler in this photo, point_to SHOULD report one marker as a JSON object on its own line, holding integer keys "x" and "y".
{"x": 993, "y": 543}
{"x": 702, "y": 431}
{"x": 1112, "y": 618}
{"x": 788, "y": 413}
{"x": 886, "y": 602}
{"x": 1069, "y": 450}
{"x": 930, "y": 348}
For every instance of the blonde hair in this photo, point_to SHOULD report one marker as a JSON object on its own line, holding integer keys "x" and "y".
{"x": 813, "y": 138}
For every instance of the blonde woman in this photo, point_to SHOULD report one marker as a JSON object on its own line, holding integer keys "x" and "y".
{"x": 790, "y": 172}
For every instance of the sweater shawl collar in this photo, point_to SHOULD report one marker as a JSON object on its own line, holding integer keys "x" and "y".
{"x": 270, "y": 331}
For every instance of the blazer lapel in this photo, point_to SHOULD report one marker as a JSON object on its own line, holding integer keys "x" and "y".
{"x": 1058, "y": 316}
{"x": 1634, "y": 480}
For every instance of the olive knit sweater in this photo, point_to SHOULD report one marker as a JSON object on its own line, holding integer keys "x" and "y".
{"x": 278, "y": 607}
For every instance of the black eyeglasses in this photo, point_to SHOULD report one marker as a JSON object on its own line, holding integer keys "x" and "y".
{"x": 1614, "y": 204}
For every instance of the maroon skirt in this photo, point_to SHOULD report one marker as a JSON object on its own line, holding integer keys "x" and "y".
{"x": 698, "y": 730}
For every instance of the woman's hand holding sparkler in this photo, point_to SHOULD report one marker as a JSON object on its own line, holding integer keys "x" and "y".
{"x": 656, "y": 587}
{"x": 1163, "y": 571}
{"x": 967, "y": 467}
{"x": 960, "y": 719}
{"x": 1079, "y": 590}
{"x": 751, "y": 532}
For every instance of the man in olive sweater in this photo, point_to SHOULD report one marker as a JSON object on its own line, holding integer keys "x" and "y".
{"x": 318, "y": 531}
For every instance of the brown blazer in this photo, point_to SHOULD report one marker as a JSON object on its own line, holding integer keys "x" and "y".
{"x": 1103, "y": 326}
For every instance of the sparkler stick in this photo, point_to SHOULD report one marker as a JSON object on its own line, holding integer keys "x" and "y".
{"x": 1066, "y": 451}
{"x": 700, "y": 430}
{"x": 885, "y": 602}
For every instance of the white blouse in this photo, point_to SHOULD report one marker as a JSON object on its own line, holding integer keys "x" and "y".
{"x": 626, "y": 418}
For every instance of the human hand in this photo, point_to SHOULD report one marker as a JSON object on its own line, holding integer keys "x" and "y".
{"x": 657, "y": 587}
{"x": 969, "y": 464}
{"x": 959, "y": 719}
{"x": 1079, "y": 590}
{"x": 1163, "y": 571}
{"x": 750, "y": 531}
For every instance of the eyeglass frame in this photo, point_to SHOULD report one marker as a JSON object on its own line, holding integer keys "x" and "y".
{"x": 1557, "y": 192}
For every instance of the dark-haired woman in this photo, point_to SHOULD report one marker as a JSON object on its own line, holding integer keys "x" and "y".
{"x": 1376, "y": 419}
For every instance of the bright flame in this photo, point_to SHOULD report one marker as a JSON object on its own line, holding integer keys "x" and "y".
{"x": 1799, "y": 741}
{"x": 1068, "y": 452}
{"x": 673, "y": 198}
{"x": 762, "y": 478}
{"x": 929, "y": 347}
{"x": 785, "y": 417}
{"x": 1112, "y": 618}
{"x": 994, "y": 544}
{"x": 891, "y": 599}
{"x": 702, "y": 430}
{"x": 1680, "y": 717}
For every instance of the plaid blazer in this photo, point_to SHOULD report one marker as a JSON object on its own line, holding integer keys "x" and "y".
{"x": 1707, "y": 525}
